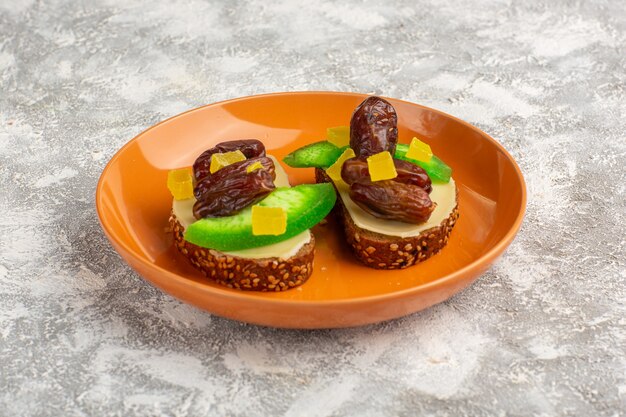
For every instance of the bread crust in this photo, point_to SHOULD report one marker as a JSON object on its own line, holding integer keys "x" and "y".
{"x": 264, "y": 274}
{"x": 380, "y": 251}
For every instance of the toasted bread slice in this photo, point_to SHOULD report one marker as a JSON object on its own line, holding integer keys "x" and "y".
{"x": 380, "y": 251}
{"x": 265, "y": 274}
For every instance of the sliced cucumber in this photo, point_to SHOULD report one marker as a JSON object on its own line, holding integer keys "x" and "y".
{"x": 319, "y": 154}
{"x": 305, "y": 204}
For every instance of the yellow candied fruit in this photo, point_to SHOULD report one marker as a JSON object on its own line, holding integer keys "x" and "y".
{"x": 381, "y": 166}
{"x": 419, "y": 151}
{"x": 338, "y": 136}
{"x": 180, "y": 183}
{"x": 268, "y": 220}
{"x": 254, "y": 167}
{"x": 220, "y": 160}
{"x": 334, "y": 171}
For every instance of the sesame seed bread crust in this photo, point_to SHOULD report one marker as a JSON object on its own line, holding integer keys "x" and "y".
{"x": 265, "y": 274}
{"x": 380, "y": 251}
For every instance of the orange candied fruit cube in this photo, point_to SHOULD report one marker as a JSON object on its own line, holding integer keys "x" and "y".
{"x": 381, "y": 166}
{"x": 268, "y": 220}
{"x": 419, "y": 151}
{"x": 220, "y": 160}
{"x": 180, "y": 183}
{"x": 334, "y": 171}
{"x": 338, "y": 136}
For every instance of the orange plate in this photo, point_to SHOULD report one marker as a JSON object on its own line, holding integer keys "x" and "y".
{"x": 133, "y": 205}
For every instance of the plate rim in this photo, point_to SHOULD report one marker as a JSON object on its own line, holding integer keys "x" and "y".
{"x": 247, "y": 296}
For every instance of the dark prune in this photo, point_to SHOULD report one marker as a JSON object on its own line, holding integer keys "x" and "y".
{"x": 251, "y": 148}
{"x": 393, "y": 200}
{"x": 234, "y": 193}
{"x": 373, "y": 127}
{"x": 213, "y": 181}
{"x": 356, "y": 170}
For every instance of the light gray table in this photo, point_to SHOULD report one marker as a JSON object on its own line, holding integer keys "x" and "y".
{"x": 542, "y": 333}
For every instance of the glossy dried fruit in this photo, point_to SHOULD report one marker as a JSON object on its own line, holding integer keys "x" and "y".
{"x": 251, "y": 148}
{"x": 356, "y": 170}
{"x": 373, "y": 127}
{"x": 392, "y": 200}
{"x": 213, "y": 182}
{"x": 234, "y": 193}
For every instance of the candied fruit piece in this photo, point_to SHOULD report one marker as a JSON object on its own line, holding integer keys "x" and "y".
{"x": 381, "y": 166}
{"x": 436, "y": 169}
{"x": 338, "y": 136}
{"x": 334, "y": 171}
{"x": 220, "y": 160}
{"x": 268, "y": 220}
{"x": 180, "y": 183}
{"x": 419, "y": 151}
{"x": 254, "y": 167}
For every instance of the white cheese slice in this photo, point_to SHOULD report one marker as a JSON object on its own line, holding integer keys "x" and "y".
{"x": 442, "y": 194}
{"x": 183, "y": 210}
{"x": 283, "y": 250}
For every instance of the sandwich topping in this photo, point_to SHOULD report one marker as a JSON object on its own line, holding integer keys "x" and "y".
{"x": 388, "y": 187}
{"x": 443, "y": 193}
{"x": 398, "y": 201}
{"x": 372, "y": 176}
{"x": 238, "y": 200}
{"x": 285, "y": 249}
{"x": 227, "y": 186}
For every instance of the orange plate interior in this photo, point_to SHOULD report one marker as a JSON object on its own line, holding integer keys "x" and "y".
{"x": 133, "y": 205}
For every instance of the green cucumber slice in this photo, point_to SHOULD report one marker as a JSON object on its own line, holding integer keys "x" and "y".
{"x": 436, "y": 169}
{"x": 319, "y": 154}
{"x": 305, "y": 204}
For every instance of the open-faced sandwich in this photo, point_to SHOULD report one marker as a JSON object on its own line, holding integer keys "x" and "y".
{"x": 236, "y": 218}
{"x": 398, "y": 202}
